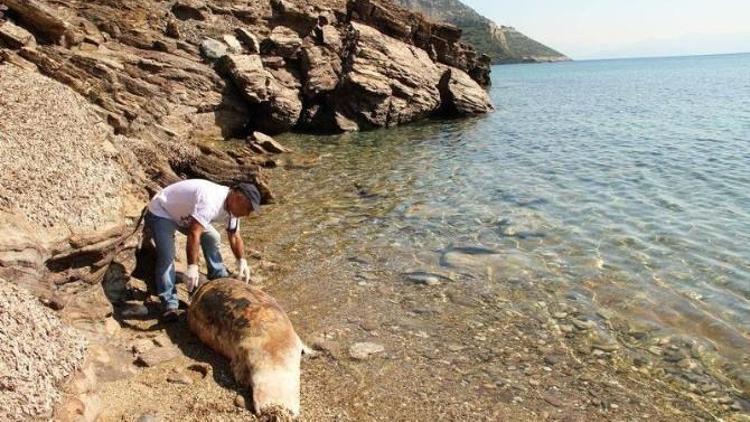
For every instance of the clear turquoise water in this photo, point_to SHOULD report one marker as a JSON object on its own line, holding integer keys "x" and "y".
{"x": 624, "y": 184}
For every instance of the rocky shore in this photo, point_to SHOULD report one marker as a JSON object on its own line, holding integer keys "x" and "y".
{"x": 102, "y": 103}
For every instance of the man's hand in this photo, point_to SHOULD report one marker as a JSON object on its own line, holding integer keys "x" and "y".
{"x": 238, "y": 248}
{"x": 243, "y": 270}
{"x": 192, "y": 277}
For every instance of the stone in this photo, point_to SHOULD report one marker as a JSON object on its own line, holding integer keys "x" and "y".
{"x": 273, "y": 62}
{"x": 256, "y": 148}
{"x": 332, "y": 348}
{"x": 173, "y": 30}
{"x": 674, "y": 355}
{"x": 212, "y": 49}
{"x": 321, "y": 68}
{"x": 42, "y": 20}
{"x": 583, "y": 325}
{"x": 234, "y": 46}
{"x": 707, "y": 388}
{"x": 461, "y": 95}
{"x": 362, "y": 351}
{"x": 389, "y": 82}
{"x": 421, "y": 277}
{"x": 278, "y": 106}
{"x": 268, "y": 143}
{"x": 641, "y": 361}
{"x": 330, "y": 37}
{"x": 566, "y": 328}
{"x": 156, "y": 356}
{"x": 201, "y": 368}
{"x": 299, "y": 16}
{"x": 190, "y": 9}
{"x": 551, "y": 360}
{"x": 149, "y": 418}
{"x": 553, "y": 400}
{"x": 345, "y": 124}
{"x": 249, "y": 40}
{"x": 605, "y": 346}
{"x": 239, "y": 401}
{"x": 455, "y": 347}
{"x": 14, "y": 36}
{"x": 282, "y": 42}
{"x": 743, "y": 381}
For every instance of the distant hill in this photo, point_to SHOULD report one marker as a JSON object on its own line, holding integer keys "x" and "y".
{"x": 503, "y": 43}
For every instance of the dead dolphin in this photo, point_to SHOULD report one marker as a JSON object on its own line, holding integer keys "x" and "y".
{"x": 249, "y": 327}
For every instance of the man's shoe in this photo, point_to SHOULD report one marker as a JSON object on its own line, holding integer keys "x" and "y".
{"x": 170, "y": 315}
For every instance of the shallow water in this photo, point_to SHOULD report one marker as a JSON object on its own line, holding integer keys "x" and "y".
{"x": 623, "y": 185}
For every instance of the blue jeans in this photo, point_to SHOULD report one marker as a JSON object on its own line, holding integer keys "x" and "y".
{"x": 163, "y": 231}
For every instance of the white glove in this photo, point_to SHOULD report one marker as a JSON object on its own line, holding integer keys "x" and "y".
{"x": 243, "y": 270}
{"x": 192, "y": 277}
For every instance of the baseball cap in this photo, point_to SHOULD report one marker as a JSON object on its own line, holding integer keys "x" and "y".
{"x": 251, "y": 193}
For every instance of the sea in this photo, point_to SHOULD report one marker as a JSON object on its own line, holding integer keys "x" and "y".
{"x": 622, "y": 185}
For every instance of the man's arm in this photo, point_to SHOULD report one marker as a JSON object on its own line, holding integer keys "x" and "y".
{"x": 238, "y": 246}
{"x": 193, "y": 241}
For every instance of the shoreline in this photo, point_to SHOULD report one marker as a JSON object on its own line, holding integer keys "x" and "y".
{"x": 507, "y": 350}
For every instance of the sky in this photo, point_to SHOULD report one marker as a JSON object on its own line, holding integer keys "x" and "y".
{"x": 593, "y": 29}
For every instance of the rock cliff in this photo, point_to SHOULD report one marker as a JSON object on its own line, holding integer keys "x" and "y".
{"x": 504, "y": 44}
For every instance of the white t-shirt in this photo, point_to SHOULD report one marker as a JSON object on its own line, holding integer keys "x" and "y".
{"x": 200, "y": 199}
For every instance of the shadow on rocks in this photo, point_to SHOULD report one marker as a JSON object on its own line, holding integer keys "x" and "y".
{"x": 218, "y": 366}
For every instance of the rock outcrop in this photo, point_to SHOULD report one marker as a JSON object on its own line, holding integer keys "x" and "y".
{"x": 460, "y": 95}
{"x": 387, "y": 82}
{"x": 440, "y": 40}
{"x": 165, "y": 76}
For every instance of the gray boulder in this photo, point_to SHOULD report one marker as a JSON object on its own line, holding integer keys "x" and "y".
{"x": 267, "y": 143}
{"x": 212, "y": 49}
{"x": 282, "y": 42}
{"x": 461, "y": 95}
{"x": 234, "y": 46}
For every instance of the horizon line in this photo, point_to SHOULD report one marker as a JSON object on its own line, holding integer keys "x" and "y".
{"x": 674, "y": 56}
{"x": 661, "y": 56}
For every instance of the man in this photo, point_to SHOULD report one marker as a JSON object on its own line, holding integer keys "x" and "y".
{"x": 190, "y": 206}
